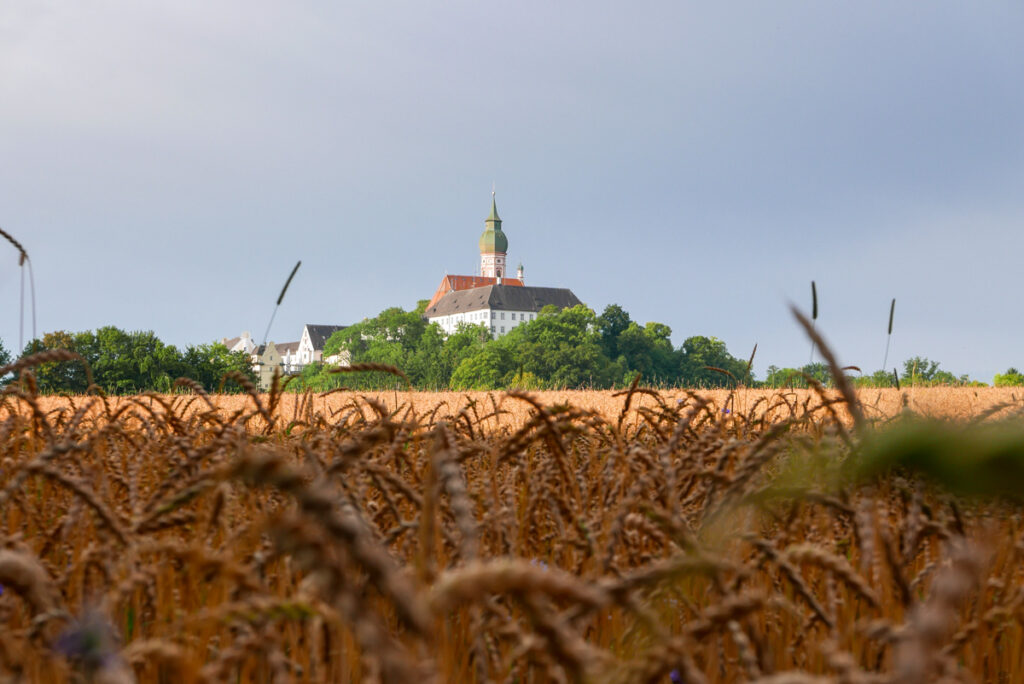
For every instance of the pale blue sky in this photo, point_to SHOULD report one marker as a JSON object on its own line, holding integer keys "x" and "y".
{"x": 697, "y": 163}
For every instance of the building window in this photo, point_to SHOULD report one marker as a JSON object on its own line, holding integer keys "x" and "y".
{"x": 492, "y": 328}
{"x": 502, "y": 328}
{"x": 493, "y": 315}
{"x": 502, "y": 315}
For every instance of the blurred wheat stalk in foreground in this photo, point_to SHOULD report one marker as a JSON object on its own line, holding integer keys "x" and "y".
{"x": 169, "y": 538}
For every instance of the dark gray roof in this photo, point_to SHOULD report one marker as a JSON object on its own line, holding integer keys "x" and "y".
{"x": 318, "y": 334}
{"x": 502, "y": 298}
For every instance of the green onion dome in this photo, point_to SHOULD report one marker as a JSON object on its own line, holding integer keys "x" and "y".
{"x": 492, "y": 239}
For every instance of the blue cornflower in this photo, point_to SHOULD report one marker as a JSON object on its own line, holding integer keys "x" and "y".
{"x": 89, "y": 640}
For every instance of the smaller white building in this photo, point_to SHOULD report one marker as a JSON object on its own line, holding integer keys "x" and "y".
{"x": 290, "y": 357}
{"x": 311, "y": 345}
{"x": 243, "y": 343}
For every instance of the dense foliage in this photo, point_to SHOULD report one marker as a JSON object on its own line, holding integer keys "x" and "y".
{"x": 1011, "y": 378}
{"x": 917, "y": 372}
{"x": 569, "y": 348}
{"x": 128, "y": 362}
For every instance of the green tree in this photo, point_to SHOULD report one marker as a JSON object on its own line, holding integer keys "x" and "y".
{"x": 394, "y": 337}
{"x": 63, "y": 376}
{"x": 649, "y": 351}
{"x": 1011, "y": 378}
{"x": 208, "y": 363}
{"x": 819, "y": 371}
{"x": 922, "y": 371}
{"x": 484, "y": 370}
{"x": 700, "y": 354}
{"x": 433, "y": 362}
{"x": 880, "y": 378}
{"x": 561, "y": 349}
{"x": 783, "y": 377}
{"x": 611, "y": 324}
{"x": 557, "y": 349}
{"x": 919, "y": 369}
{"x": 797, "y": 377}
{"x": 126, "y": 362}
{"x": 115, "y": 361}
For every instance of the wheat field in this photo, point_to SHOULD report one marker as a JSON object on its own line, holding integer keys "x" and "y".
{"x": 959, "y": 403}
{"x": 639, "y": 536}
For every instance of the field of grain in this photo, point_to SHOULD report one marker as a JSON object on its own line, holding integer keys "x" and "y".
{"x": 639, "y": 536}
{"x": 958, "y": 403}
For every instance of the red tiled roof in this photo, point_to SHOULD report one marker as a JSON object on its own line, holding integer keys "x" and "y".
{"x": 454, "y": 283}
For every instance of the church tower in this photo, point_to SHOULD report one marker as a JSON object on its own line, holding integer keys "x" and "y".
{"x": 493, "y": 246}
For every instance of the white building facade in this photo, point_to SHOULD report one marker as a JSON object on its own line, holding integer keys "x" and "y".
{"x": 288, "y": 357}
{"x": 499, "y": 322}
{"x": 243, "y": 343}
{"x": 311, "y": 344}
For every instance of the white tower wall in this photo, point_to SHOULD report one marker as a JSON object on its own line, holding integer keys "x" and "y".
{"x": 492, "y": 265}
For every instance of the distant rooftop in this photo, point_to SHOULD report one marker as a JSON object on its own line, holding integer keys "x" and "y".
{"x": 318, "y": 334}
{"x": 502, "y": 298}
{"x": 464, "y": 282}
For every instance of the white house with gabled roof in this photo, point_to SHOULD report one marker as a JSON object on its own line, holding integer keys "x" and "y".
{"x": 311, "y": 344}
{"x": 242, "y": 343}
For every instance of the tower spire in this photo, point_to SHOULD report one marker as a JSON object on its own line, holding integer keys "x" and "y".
{"x": 494, "y": 212}
{"x": 493, "y": 245}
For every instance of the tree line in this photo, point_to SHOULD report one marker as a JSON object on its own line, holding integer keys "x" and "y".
{"x": 130, "y": 362}
{"x": 569, "y": 348}
{"x": 918, "y": 371}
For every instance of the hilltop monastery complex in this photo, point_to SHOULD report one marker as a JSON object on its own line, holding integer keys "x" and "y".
{"x": 491, "y": 299}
